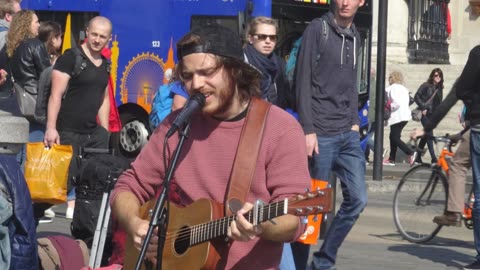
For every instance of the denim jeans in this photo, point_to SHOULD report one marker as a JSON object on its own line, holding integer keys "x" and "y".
{"x": 342, "y": 155}
{"x": 287, "y": 262}
{"x": 429, "y": 142}
{"x": 36, "y": 134}
{"x": 475, "y": 155}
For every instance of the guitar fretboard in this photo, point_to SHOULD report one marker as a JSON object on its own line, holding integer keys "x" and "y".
{"x": 204, "y": 232}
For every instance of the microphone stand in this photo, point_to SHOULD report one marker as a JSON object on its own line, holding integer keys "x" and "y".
{"x": 159, "y": 214}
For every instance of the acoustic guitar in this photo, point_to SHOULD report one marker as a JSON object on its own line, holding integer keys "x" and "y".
{"x": 190, "y": 229}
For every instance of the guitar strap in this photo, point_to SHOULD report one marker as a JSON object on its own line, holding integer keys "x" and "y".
{"x": 246, "y": 157}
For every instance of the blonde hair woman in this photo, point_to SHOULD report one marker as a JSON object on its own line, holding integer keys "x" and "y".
{"x": 28, "y": 57}
{"x": 24, "y": 25}
{"x": 401, "y": 114}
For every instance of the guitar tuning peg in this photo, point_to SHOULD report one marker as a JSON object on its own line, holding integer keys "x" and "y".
{"x": 299, "y": 211}
{"x": 300, "y": 197}
{"x": 304, "y": 220}
{"x": 320, "y": 208}
{"x": 315, "y": 218}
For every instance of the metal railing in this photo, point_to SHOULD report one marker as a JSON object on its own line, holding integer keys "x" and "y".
{"x": 427, "y": 31}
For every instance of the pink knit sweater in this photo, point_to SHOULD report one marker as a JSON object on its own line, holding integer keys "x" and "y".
{"x": 205, "y": 165}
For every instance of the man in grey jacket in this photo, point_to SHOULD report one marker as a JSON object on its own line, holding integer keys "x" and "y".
{"x": 7, "y": 9}
{"x": 327, "y": 103}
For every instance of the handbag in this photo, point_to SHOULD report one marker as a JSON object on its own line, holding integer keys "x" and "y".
{"x": 46, "y": 172}
{"x": 417, "y": 113}
{"x": 26, "y": 100}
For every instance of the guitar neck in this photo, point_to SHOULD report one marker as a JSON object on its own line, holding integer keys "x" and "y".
{"x": 205, "y": 232}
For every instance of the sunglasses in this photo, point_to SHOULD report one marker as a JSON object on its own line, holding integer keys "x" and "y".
{"x": 437, "y": 75}
{"x": 263, "y": 37}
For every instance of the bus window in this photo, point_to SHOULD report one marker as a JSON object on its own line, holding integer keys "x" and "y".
{"x": 227, "y": 21}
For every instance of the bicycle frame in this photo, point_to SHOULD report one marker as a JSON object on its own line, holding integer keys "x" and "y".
{"x": 442, "y": 161}
{"x": 432, "y": 184}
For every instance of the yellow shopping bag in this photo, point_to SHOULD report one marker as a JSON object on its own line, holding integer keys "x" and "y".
{"x": 312, "y": 231}
{"x": 46, "y": 172}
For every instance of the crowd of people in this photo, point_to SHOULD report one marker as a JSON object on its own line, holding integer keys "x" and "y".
{"x": 238, "y": 82}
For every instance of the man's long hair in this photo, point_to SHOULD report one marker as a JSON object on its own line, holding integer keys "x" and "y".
{"x": 240, "y": 75}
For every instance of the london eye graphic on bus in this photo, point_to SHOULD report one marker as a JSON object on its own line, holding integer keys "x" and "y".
{"x": 143, "y": 76}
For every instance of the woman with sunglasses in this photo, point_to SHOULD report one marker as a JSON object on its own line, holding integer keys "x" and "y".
{"x": 261, "y": 37}
{"x": 429, "y": 95}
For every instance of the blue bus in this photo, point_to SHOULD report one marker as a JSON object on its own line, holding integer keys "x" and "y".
{"x": 145, "y": 33}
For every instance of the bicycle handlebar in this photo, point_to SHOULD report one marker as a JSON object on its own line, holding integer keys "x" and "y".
{"x": 447, "y": 140}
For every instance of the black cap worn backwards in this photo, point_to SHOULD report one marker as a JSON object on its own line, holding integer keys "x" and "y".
{"x": 215, "y": 39}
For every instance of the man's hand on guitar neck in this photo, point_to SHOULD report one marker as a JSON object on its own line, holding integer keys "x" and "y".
{"x": 242, "y": 230}
{"x": 139, "y": 228}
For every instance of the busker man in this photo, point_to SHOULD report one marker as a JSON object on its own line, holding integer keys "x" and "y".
{"x": 327, "y": 104}
{"x": 211, "y": 63}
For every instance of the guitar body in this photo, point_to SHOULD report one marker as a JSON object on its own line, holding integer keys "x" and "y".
{"x": 177, "y": 254}
{"x": 192, "y": 229}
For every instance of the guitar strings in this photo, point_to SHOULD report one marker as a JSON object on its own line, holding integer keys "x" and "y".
{"x": 184, "y": 234}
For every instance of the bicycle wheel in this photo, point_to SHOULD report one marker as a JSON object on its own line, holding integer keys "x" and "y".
{"x": 420, "y": 195}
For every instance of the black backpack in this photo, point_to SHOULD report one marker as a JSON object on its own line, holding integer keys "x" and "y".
{"x": 45, "y": 84}
{"x": 92, "y": 184}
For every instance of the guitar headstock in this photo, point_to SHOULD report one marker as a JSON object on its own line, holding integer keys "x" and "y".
{"x": 311, "y": 202}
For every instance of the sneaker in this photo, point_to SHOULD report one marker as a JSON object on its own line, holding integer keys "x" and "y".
{"x": 449, "y": 219}
{"x": 474, "y": 265}
{"x": 313, "y": 267}
{"x": 69, "y": 213}
{"x": 412, "y": 158}
{"x": 49, "y": 213}
{"x": 44, "y": 220}
{"x": 388, "y": 162}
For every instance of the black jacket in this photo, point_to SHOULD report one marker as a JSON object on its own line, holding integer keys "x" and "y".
{"x": 468, "y": 86}
{"x": 424, "y": 93}
{"x": 28, "y": 61}
{"x": 442, "y": 109}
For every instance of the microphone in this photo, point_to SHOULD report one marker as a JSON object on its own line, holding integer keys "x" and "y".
{"x": 194, "y": 104}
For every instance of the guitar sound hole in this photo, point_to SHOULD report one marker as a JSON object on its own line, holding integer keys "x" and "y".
{"x": 182, "y": 241}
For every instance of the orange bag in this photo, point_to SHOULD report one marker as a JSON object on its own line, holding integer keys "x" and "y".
{"x": 312, "y": 231}
{"x": 46, "y": 172}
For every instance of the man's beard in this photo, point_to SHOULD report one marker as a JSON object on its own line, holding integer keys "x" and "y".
{"x": 225, "y": 101}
